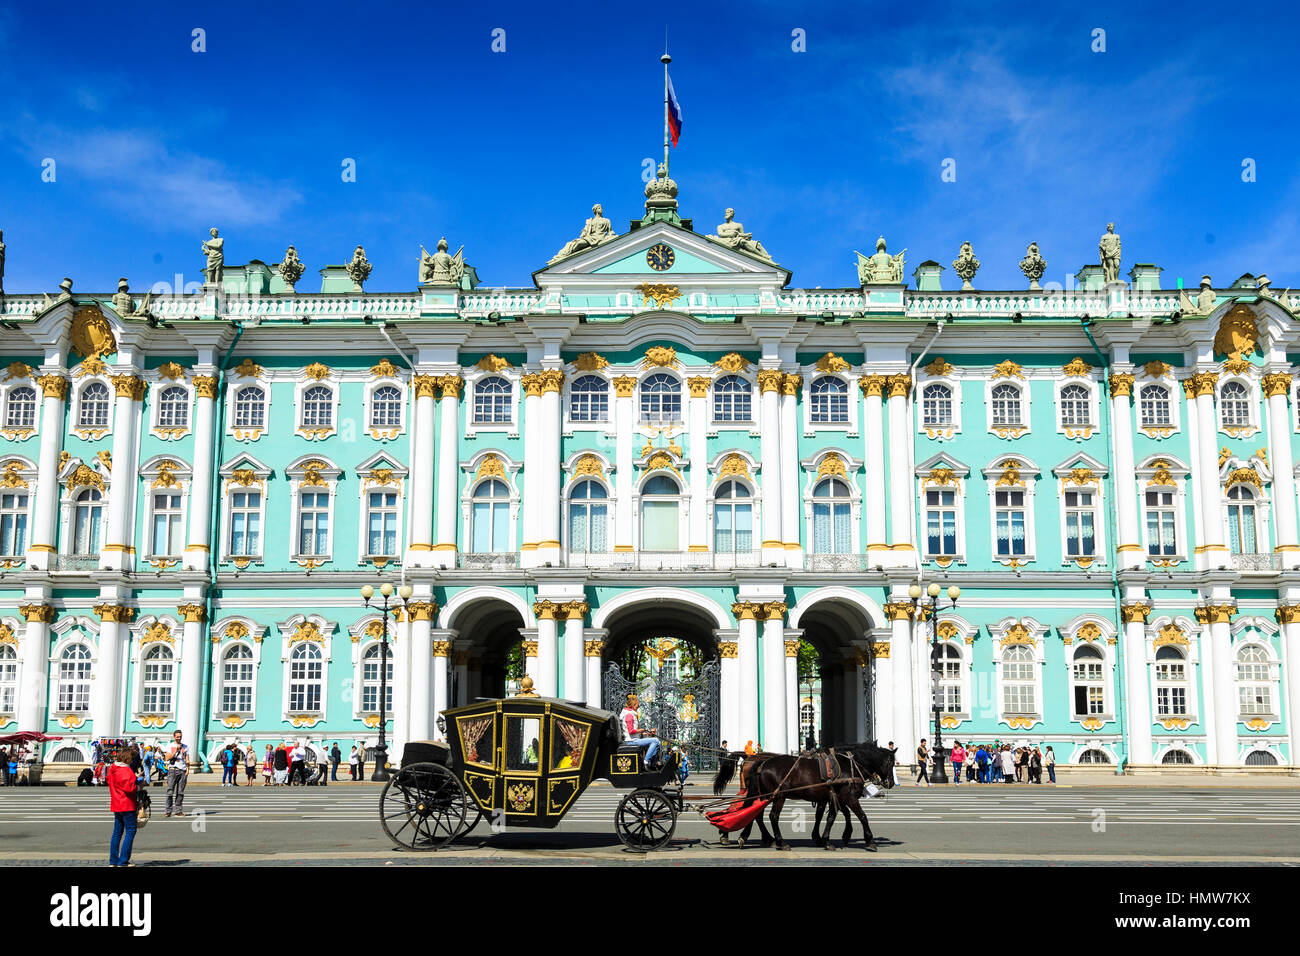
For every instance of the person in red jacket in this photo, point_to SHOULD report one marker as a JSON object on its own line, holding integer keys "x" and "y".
{"x": 122, "y": 801}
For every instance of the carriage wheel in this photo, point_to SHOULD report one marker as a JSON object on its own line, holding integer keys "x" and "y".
{"x": 645, "y": 820}
{"x": 423, "y": 807}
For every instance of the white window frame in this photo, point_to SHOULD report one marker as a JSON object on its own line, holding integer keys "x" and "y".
{"x": 1037, "y": 659}
{"x": 961, "y": 681}
{"x": 1191, "y": 669}
{"x": 850, "y": 425}
{"x": 566, "y": 500}
{"x": 1145, "y": 473}
{"x": 235, "y": 431}
{"x": 939, "y": 432}
{"x": 69, "y": 630}
{"x": 1158, "y": 432}
{"x": 607, "y": 424}
{"x": 79, "y": 386}
{"x": 68, "y": 504}
{"x": 362, "y": 641}
{"x": 1106, "y": 681}
{"x": 253, "y": 635}
{"x": 812, "y": 477}
{"x": 301, "y": 388}
{"x": 395, "y": 484}
{"x": 683, "y": 498}
{"x": 474, "y": 471}
{"x": 754, "y": 516}
{"x": 150, "y": 473}
{"x": 926, "y": 482}
{"x": 298, "y": 478}
{"x": 1273, "y": 667}
{"x": 1096, "y": 486}
{"x": 227, "y": 487}
{"x": 1087, "y": 430}
{"x": 287, "y": 631}
{"x": 682, "y": 420}
{"x": 25, "y": 472}
{"x": 9, "y": 658}
{"x": 390, "y": 432}
{"x": 140, "y": 647}
{"x": 1026, "y": 482}
{"x": 158, "y": 386}
{"x": 518, "y": 401}
{"x": 1009, "y": 432}
{"x": 18, "y": 433}
{"x": 755, "y": 398}
{"x": 1252, "y": 400}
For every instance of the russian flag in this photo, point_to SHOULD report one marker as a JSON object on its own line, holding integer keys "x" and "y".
{"x": 674, "y": 113}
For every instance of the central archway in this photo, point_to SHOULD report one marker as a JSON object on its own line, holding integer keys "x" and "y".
{"x": 490, "y": 626}
{"x": 837, "y": 623}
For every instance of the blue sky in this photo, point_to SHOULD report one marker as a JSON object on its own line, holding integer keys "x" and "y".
{"x": 818, "y": 151}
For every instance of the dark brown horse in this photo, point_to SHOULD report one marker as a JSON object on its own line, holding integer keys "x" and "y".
{"x": 778, "y": 777}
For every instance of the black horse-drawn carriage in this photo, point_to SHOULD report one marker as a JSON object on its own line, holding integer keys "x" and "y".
{"x": 523, "y": 762}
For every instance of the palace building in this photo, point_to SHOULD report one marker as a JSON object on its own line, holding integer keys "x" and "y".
{"x": 660, "y": 437}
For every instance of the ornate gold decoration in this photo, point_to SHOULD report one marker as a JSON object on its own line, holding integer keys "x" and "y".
{"x": 663, "y": 295}
{"x": 1258, "y": 724}
{"x": 774, "y": 610}
{"x": 1079, "y": 476}
{"x": 940, "y": 367}
{"x": 574, "y": 611}
{"x": 1136, "y": 612}
{"x": 660, "y": 356}
{"x": 235, "y": 630}
{"x": 233, "y": 721}
{"x": 7, "y": 635}
{"x": 1020, "y": 723}
{"x": 588, "y": 464}
{"x": 385, "y": 369}
{"x": 1262, "y": 454}
{"x": 85, "y": 475}
{"x": 1017, "y": 633}
{"x": 1156, "y": 369}
{"x": 830, "y": 362}
{"x": 450, "y": 385}
{"x": 1008, "y": 369}
{"x": 551, "y": 380}
{"x": 159, "y": 632}
{"x": 880, "y": 649}
{"x": 733, "y": 362}
{"x": 197, "y": 613}
{"x": 522, "y": 796}
{"x": 492, "y": 363}
{"x": 1203, "y": 383}
{"x": 115, "y": 613}
{"x": 249, "y": 369}
{"x": 899, "y": 610}
{"x": 129, "y": 386}
{"x": 304, "y": 720}
{"x": 243, "y": 477}
{"x": 733, "y": 464}
{"x": 37, "y": 613}
{"x": 940, "y": 477}
{"x": 18, "y": 370}
{"x": 1088, "y": 632}
{"x": 166, "y": 477}
{"x": 699, "y": 386}
{"x": 311, "y": 473}
{"x": 1238, "y": 333}
{"x": 1121, "y": 383}
{"x": 531, "y": 384}
{"x": 1215, "y": 613}
{"x": 1171, "y": 634}
{"x": 1236, "y": 366}
{"x": 872, "y": 386}
{"x": 597, "y": 648}
{"x": 442, "y": 648}
{"x": 1175, "y": 723}
{"x": 661, "y": 459}
{"x": 1277, "y": 383}
{"x": 769, "y": 380}
{"x": 545, "y": 610}
{"x": 949, "y": 721}
{"x": 423, "y": 610}
{"x": 1091, "y": 723}
{"x": 832, "y": 465}
{"x": 899, "y": 385}
{"x": 171, "y": 371}
{"x": 205, "y": 386}
{"x": 791, "y": 648}
{"x": 91, "y": 366}
{"x": 625, "y": 386}
{"x": 153, "y": 720}
{"x": 71, "y": 721}
{"x": 590, "y": 362}
{"x": 317, "y": 371}
{"x": 307, "y": 631}
{"x": 491, "y": 465}
{"x": 53, "y": 386}
{"x": 747, "y": 611}
{"x": 1244, "y": 476}
{"x": 11, "y": 478}
{"x": 1161, "y": 474}
{"x": 1077, "y": 368}
{"x": 425, "y": 386}
{"x": 1010, "y": 474}
{"x": 1287, "y": 613}
{"x": 91, "y": 335}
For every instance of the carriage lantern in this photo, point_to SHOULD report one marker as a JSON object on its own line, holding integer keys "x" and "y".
{"x": 933, "y": 591}
{"x": 404, "y": 595}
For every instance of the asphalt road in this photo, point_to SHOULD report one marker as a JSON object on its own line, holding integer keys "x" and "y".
{"x": 971, "y": 824}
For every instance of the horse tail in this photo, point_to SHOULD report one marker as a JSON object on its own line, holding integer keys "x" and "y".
{"x": 726, "y": 770}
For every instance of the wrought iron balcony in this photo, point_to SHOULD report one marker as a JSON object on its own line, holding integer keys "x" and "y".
{"x": 835, "y": 562}
{"x": 1256, "y": 562}
{"x": 74, "y": 562}
{"x": 488, "y": 561}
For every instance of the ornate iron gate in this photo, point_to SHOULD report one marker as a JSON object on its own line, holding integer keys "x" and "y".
{"x": 679, "y": 709}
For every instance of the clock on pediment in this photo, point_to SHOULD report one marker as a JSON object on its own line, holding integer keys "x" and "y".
{"x": 660, "y": 256}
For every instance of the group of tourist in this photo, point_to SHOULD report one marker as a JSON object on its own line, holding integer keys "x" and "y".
{"x": 11, "y": 759}
{"x": 997, "y": 762}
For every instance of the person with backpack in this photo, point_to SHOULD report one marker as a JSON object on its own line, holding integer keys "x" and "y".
{"x": 122, "y": 789}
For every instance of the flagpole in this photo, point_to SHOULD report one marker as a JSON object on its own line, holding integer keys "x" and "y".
{"x": 666, "y": 59}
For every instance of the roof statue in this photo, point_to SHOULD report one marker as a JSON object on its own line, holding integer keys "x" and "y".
{"x": 661, "y": 193}
{"x": 882, "y": 268}
{"x": 359, "y": 268}
{"x": 215, "y": 249}
{"x": 1203, "y": 304}
{"x": 732, "y": 234}
{"x": 597, "y": 231}
{"x": 966, "y": 265}
{"x": 291, "y": 269}
{"x": 441, "y": 268}
{"x": 124, "y": 305}
{"x": 1033, "y": 265}
{"x": 1109, "y": 246}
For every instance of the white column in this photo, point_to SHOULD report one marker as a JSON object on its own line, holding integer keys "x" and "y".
{"x": 441, "y": 647}
{"x": 420, "y": 504}
{"x": 792, "y": 695}
{"x": 1224, "y": 686}
{"x": 546, "y": 680}
{"x": 1290, "y": 615}
{"x": 421, "y": 612}
{"x": 548, "y": 544}
{"x": 1211, "y": 550}
{"x": 769, "y": 383}
{"x": 106, "y": 690}
{"x": 117, "y": 551}
{"x": 532, "y": 520}
{"x": 901, "y": 653}
{"x": 1277, "y": 387}
{"x": 873, "y": 431}
{"x": 883, "y": 701}
{"x": 198, "y": 547}
{"x": 399, "y": 652}
{"x": 34, "y": 685}
{"x": 531, "y": 664}
{"x": 900, "y": 477}
{"x": 189, "y": 696}
{"x": 624, "y": 422}
{"x": 41, "y": 548}
{"x": 575, "y": 666}
{"x": 697, "y": 435}
{"x": 729, "y": 694}
{"x": 1129, "y": 546}
{"x": 593, "y": 649}
{"x": 790, "y": 385}
{"x": 448, "y": 504}
{"x": 859, "y": 678}
{"x": 1137, "y": 689}
{"x": 747, "y": 665}
{"x": 776, "y": 714}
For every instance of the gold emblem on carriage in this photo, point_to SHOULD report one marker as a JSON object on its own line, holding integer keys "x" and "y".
{"x": 624, "y": 764}
{"x": 521, "y": 797}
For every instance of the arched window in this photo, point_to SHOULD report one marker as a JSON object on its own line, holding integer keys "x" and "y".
{"x": 174, "y": 408}
{"x": 13, "y": 523}
{"x": 661, "y": 398}
{"x": 832, "y": 522}
{"x": 1089, "y": 682}
{"x": 1093, "y": 755}
{"x": 370, "y": 663}
{"x": 93, "y": 412}
{"x": 1241, "y": 520}
{"x": 1154, "y": 408}
{"x": 1234, "y": 405}
{"x": 588, "y": 516}
{"x": 936, "y": 406}
{"x": 20, "y": 409}
{"x": 386, "y": 407}
{"x": 74, "y": 679}
{"x": 1076, "y": 407}
{"x": 492, "y": 401}
{"x": 314, "y": 523}
{"x": 1255, "y": 682}
{"x": 1019, "y": 682}
{"x": 318, "y": 407}
{"x": 491, "y": 517}
{"x": 306, "y": 678}
{"x": 1177, "y": 758}
{"x": 1260, "y": 758}
{"x": 1006, "y": 405}
{"x": 660, "y": 503}
{"x": 87, "y": 511}
{"x": 250, "y": 407}
{"x": 949, "y": 667}
{"x": 8, "y": 678}
{"x": 733, "y": 519}
{"x": 159, "y": 668}
{"x": 829, "y": 398}
{"x": 732, "y": 400}
{"x": 1171, "y": 683}
{"x": 589, "y": 399}
{"x": 237, "y": 684}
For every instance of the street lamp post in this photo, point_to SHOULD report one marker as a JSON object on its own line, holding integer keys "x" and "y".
{"x": 404, "y": 594}
{"x": 939, "y": 775}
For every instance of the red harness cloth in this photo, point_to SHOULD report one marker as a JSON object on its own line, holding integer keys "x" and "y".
{"x": 737, "y": 816}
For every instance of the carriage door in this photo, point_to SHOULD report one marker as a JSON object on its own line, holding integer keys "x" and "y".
{"x": 519, "y": 761}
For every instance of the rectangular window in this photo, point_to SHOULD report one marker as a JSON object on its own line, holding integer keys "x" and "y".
{"x": 941, "y": 523}
{"x": 1171, "y": 701}
{"x": 313, "y": 523}
{"x": 381, "y": 522}
{"x": 1009, "y": 517}
{"x": 246, "y": 524}
{"x": 1256, "y": 700}
{"x": 1088, "y": 700}
{"x": 1018, "y": 698}
{"x": 1161, "y": 539}
{"x": 1080, "y": 524}
{"x": 13, "y": 524}
{"x": 167, "y": 532}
